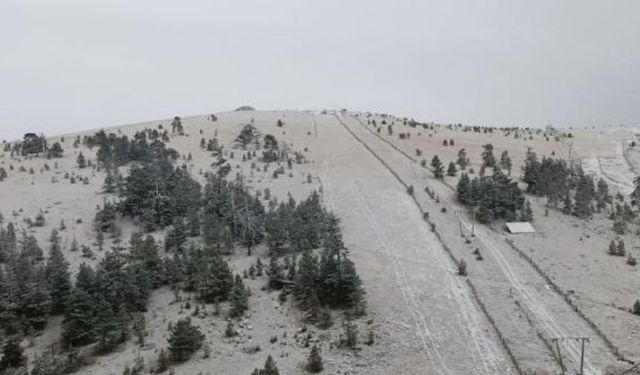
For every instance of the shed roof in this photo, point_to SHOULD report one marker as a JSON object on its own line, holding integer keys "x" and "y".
{"x": 520, "y": 227}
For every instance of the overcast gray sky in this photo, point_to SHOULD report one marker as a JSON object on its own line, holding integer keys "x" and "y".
{"x": 69, "y": 65}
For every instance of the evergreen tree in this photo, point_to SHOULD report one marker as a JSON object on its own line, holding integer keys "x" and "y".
{"x": 451, "y": 171}
{"x": 145, "y": 254}
{"x": 194, "y": 224}
{"x": 176, "y": 237}
{"x": 176, "y": 125}
{"x": 270, "y": 368}
{"x": 79, "y": 321}
{"x": 527, "y": 213}
{"x": 612, "y": 248}
{"x": 567, "y": 209}
{"x": 505, "y": 162}
{"x": 621, "y": 249}
{"x": 463, "y": 190}
{"x": 275, "y": 226}
{"x": 488, "y": 160}
{"x": 184, "y": 339}
{"x": 635, "y": 194}
{"x": 305, "y": 283}
{"x": 314, "y": 361}
{"x": 436, "y": 164}
{"x": 12, "y": 355}
{"x": 81, "y": 161}
{"x": 109, "y": 182}
{"x": 58, "y": 276}
{"x": 275, "y": 274}
{"x": 239, "y": 298}
{"x": 583, "y": 197}
{"x": 55, "y": 151}
{"x": 110, "y": 327}
{"x": 216, "y": 280}
{"x": 462, "y": 159}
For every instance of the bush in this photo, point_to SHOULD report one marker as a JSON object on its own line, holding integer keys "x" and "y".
{"x": 184, "y": 340}
{"x": 314, "y": 361}
{"x": 462, "y": 268}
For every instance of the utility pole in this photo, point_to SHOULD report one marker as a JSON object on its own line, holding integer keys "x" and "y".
{"x": 460, "y": 223}
{"x": 583, "y": 340}
{"x": 473, "y": 222}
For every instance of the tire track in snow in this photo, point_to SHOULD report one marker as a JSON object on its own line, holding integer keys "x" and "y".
{"x": 461, "y": 311}
{"x": 537, "y": 307}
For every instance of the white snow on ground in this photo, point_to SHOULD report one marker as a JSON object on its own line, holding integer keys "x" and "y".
{"x": 416, "y": 280}
{"x": 613, "y": 168}
{"x": 555, "y": 317}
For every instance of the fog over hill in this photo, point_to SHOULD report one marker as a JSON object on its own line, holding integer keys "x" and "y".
{"x": 71, "y": 65}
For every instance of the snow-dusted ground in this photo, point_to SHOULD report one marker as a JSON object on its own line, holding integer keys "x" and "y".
{"x": 425, "y": 317}
{"x": 615, "y": 169}
{"x": 411, "y": 281}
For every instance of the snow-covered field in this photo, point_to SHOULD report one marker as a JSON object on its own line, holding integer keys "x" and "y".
{"x": 427, "y": 319}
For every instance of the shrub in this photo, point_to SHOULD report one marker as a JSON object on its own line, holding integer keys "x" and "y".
{"x": 185, "y": 339}
{"x": 314, "y": 361}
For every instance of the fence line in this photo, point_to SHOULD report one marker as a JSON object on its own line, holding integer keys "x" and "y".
{"x": 474, "y": 293}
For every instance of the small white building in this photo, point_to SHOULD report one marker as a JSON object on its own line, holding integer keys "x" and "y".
{"x": 520, "y": 227}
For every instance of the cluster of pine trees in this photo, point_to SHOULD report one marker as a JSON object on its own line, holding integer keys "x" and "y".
{"x": 31, "y": 289}
{"x": 146, "y": 146}
{"x": 495, "y": 197}
{"x": 292, "y": 226}
{"x": 562, "y": 183}
{"x": 328, "y": 279}
{"x": 157, "y": 192}
{"x": 230, "y": 213}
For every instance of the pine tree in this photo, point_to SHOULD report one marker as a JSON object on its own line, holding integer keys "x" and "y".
{"x": 612, "y": 248}
{"x": 109, "y": 182}
{"x": 79, "y": 322}
{"x": 451, "y": 171}
{"x": 55, "y": 151}
{"x": 12, "y": 355}
{"x": 58, "y": 276}
{"x": 306, "y": 279}
{"x": 275, "y": 227}
{"x": 275, "y": 274}
{"x": 488, "y": 160}
{"x": 270, "y": 368}
{"x": 505, "y": 162}
{"x": 145, "y": 254}
{"x": 216, "y": 280}
{"x": 349, "y": 337}
{"x": 314, "y": 361}
{"x": 621, "y": 249}
{"x": 100, "y": 240}
{"x": 110, "y": 328}
{"x": 81, "y": 161}
{"x": 436, "y": 164}
{"x": 463, "y": 190}
{"x": 567, "y": 204}
{"x": 527, "y": 213}
{"x": 194, "y": 224}
{"x": 184, "y": 339}
{"x": 176, "y": 237}
{"x": 34, "y": 299}
{"x": 239, "y": 298}
{"x": 583, "y": 197}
